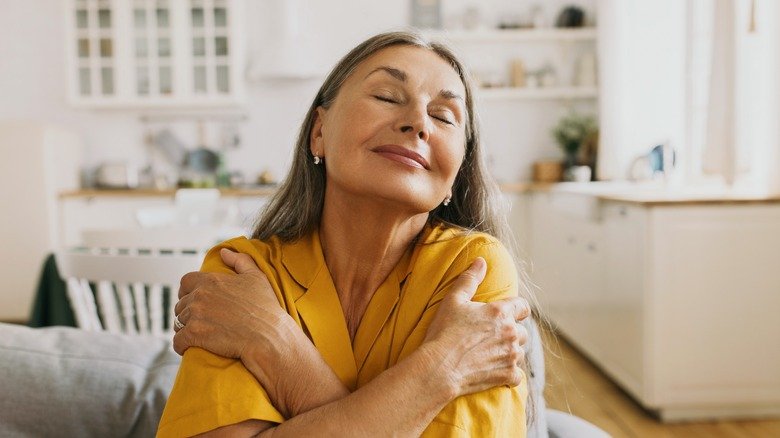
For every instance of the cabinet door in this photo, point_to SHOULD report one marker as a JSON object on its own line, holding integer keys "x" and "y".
{"x": 623, "y": 305}
{"x": 155, "y": 53}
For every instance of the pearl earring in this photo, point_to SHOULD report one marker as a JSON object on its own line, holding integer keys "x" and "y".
{"x": 317, "y": 160}
{"x": 447, "y": 200}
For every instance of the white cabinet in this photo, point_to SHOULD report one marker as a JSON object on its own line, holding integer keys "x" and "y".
{"x": 155, "y": 53}
{"x": 677, "y": 303}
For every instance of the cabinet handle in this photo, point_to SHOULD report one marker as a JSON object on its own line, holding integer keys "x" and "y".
{"x": 622, "y": 211}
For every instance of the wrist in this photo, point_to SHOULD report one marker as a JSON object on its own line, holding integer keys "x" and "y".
{"x": 440, "y": 370}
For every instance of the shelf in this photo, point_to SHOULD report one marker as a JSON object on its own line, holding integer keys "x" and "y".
{"x": 513, "y": 35}
{"x": 537, "y": 93}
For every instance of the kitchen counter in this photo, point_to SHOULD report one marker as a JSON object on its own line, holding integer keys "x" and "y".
{"x": 653, "y": 194}
{"x": 517, "y": 187}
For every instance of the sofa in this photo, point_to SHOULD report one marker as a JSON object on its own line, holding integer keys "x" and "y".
{"x": 63, "y": 381}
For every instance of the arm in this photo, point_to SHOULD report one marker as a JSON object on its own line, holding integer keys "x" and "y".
{"x": 414, "y": 397}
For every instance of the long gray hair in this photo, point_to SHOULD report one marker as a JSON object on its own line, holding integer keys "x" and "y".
{"x": 296, "y": 208}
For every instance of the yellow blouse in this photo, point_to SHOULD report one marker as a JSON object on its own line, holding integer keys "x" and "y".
{"x": 211, "y": 391}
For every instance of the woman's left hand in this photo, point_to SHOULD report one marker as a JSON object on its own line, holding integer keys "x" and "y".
{"x": 228, "y": 314}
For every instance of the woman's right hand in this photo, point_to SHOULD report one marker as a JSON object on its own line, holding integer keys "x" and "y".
{"x": 481, "y": 344}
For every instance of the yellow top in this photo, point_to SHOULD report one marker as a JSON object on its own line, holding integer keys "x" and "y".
{"x": 211, "y": 391}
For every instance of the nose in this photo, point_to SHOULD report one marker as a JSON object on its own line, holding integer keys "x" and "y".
{"x": 415, "y": 121}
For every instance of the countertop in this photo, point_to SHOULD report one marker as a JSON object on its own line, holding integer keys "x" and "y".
{"x": 516, "y": 187}
{"x": 658, "y": 194}
{"x": 647, "y": 194}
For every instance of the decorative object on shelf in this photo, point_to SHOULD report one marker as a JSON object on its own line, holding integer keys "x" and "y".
{"x": 518, "y": 73}
{"x": 571, "y": 16}
{"x": 547, "y": 171}
{"x": 572, "y": 133}
{"x": 538, "y": 20}
{"x": 585, "y": 74}
{"x": 426, "y": 14}
{"x": 547, "y": 76}
{"x": 577, "y": 174}
{"x": 511, "y": 21}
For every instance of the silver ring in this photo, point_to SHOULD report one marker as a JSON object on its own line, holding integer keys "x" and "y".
{"x": 177, "y": 324}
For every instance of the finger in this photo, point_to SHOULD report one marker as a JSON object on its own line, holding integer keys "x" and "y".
{"x": 519, "y": 307}
{"x": 188, "y": 282}
{"x": 241, "y": 263}
{"x": 181, "y": 342}
{"x": 182, "y": 304}
{"x": 465, "y": 286}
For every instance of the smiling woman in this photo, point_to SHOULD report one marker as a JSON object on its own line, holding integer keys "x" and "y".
{"x": 375, "y": 297}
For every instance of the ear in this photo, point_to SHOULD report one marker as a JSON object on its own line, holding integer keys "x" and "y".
{"x": 317, "y": 143}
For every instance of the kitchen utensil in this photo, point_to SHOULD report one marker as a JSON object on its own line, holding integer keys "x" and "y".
{"x": 117, "y": 176}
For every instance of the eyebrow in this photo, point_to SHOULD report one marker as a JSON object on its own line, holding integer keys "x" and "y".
{"x": 401, "y": 76}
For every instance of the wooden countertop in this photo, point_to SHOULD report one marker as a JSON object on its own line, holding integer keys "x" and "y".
{"x": 603, "y": 191}
{"x": 517, "y": 187}
{"x": 650, "y": 194}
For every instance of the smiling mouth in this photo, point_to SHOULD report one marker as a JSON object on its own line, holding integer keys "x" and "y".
{"x": 402, "y": 155}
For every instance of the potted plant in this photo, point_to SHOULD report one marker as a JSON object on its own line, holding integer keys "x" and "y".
{"x": 571, "y": 132}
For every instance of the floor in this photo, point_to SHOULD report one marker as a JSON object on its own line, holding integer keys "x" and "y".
{"x": 573, "y": 384}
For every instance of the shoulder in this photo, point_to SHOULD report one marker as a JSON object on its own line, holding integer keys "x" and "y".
{"x": 446, "y": 251}
{"x": 263, "y": 252}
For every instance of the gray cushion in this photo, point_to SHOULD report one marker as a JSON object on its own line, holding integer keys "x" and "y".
{"x": 563, "y": 425}
{"x": 62, "y": 381}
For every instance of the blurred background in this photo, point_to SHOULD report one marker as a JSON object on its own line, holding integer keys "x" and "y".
{"x": 636, "y": 141}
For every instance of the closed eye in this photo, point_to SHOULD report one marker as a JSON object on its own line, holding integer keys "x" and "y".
{"x": 385, "y": 99}
{"x": 442, "y": 119}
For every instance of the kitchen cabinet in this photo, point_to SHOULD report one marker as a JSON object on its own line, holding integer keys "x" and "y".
{"x": 675, "y": 301}
{"x": 155, "y": 53}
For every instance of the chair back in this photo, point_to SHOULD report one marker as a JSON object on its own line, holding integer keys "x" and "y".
{"x": 134, "y": 293}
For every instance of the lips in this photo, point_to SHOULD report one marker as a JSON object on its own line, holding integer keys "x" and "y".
{"x": 401, "y": 154}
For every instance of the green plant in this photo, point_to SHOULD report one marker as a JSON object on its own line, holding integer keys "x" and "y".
{"x": 572, "y": 130}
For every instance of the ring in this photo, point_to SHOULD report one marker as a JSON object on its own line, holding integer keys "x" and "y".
{"x": 177, "y": 324}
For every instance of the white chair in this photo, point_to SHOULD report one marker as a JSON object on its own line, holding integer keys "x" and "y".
{"x": 169, "y": 238}
{"x": 191, "y": 207}
{"x": 130, "y": 288}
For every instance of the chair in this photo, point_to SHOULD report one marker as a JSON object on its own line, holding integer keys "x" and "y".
{"x": 133, "y": 292}
{"x": 168, "y": 238}
{"x": 192, "y": 207}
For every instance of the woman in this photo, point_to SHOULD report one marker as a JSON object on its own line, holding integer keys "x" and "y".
{"x": 359, "y": 306}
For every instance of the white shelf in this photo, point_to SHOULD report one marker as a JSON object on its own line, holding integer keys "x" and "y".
{"x": 513, "y": 35}
{"x": 537, "y": 93}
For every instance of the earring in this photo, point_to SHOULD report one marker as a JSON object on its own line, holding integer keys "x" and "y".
{"x": 447, "y": 200}
{"x": 317, "y": 160}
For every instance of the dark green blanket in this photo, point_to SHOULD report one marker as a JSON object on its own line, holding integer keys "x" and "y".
{"x": 51, "y": 306}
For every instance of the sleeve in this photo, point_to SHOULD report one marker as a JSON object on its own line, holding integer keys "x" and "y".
{"x": 498, "y": 411}
{"x": 211, "y": 391}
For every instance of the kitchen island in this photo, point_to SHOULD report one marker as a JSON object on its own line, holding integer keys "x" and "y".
{"x": 674, "y": 294}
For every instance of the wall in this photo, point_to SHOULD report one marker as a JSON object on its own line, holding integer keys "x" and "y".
{"x": 642, "y": 80}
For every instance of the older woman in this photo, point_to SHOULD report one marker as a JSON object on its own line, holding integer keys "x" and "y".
{"x": 373, "y": 298}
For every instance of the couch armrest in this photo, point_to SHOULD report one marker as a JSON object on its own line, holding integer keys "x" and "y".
{"x": 563, "y": 425}
{"x": 62, "y": 381}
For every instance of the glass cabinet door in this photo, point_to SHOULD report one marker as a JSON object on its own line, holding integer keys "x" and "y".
{"x": 154, "y": 52}
{"x": 94, "y": 47}
{"x": 209, "y": 20}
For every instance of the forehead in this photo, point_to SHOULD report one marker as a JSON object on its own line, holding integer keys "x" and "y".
{"x": 422, "y": 66}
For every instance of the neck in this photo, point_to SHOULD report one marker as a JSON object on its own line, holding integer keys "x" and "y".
{"x": 362, "y": 241}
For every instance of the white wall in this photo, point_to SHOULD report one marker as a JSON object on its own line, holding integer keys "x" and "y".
{"x": 642, "y": 65}
{"x": 32, "y": 83}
